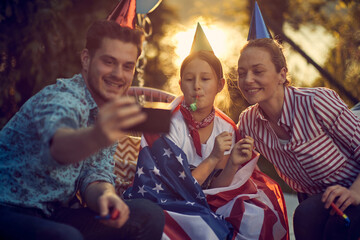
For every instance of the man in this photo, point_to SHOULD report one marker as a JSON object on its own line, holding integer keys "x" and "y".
{"x": 62, "y": 140}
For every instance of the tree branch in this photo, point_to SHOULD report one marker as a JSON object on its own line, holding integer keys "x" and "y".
{"x": 321, "y": 70}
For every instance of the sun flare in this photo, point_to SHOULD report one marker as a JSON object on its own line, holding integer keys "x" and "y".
{"x": 221, "y": 39}
{"x": 225, "y": 40}
{"x": 185, "y": 39}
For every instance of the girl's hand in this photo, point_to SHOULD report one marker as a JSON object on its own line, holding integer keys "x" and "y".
{"x": 345, "y": 197}
{"x": 222, "y": 143}
{"x": 242, "y": 151}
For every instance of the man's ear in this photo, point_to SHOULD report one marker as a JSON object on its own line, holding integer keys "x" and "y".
{"x": 85, "y": 59}
{"x": 221, "y": 84}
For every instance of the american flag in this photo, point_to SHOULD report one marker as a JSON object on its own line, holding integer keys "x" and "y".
{"x": 247, "y": 209}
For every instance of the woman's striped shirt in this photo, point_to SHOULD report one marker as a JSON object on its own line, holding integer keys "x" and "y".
{"x": 324, "y": 148}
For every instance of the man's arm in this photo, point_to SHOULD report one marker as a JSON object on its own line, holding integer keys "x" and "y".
{"x": 102, "y": 198}
{"x": 71, "y": 146}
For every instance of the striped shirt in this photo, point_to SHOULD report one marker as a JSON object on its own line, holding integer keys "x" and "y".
{"x": 324, "y": 148}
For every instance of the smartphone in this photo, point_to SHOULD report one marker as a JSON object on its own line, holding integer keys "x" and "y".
{"x": 158, "y": 118}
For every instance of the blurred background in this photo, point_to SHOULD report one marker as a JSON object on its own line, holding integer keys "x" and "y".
{"x": 41, "y": 40}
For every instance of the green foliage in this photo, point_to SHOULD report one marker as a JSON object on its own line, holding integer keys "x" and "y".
{"x": 41, "y": 40}
{"x": 341, "y": 19}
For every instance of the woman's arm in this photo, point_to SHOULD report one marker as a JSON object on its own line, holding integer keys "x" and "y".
{"x": 344, "y": 196}
{"x": 338, "y": 120}
{"x": 344, "y": 127}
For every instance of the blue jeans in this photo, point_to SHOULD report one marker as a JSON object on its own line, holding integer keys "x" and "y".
{"x": 313, "y": 221}
{"x": 146, "y": 221}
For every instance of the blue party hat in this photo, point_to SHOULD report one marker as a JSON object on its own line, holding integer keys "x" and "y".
{"x": 258, "y": 27}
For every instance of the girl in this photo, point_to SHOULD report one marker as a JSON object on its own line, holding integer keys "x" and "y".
{"x": 201, "y": 150}
{"x": 212, "y": 132}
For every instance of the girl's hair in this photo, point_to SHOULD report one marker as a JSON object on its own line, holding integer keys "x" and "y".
{"x": 274, "y": 49}
{"x": 221, "y": 100}
{"x": 109, "y": 29}
{"x": 208, "y": 57}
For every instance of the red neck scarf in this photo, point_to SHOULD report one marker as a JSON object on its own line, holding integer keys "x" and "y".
{"x": 194, "y": 125}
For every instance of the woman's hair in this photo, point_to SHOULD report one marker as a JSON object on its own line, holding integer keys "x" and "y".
{"x": 274, "y": 49}
{"x": 208, "y": 57}
{"x": 109, "y": 29}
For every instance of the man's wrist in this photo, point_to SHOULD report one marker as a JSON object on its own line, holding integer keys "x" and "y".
{"x": 99, "y": 139}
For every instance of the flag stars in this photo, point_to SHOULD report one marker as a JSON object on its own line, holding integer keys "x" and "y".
{"x": 142, "y": 190}
{"x": 200, "y": 196}
{"x": 156, "y": 171}
{"x": 140, "y": 171}
{"x": 158, "y": 187}
{"x": 182, "y": 175}
{"x": 167, "y": 152}
{"x": 190, "y": 203}
{"x": 179, "y": 158}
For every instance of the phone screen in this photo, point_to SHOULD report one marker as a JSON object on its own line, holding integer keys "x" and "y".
{"x": 158, "y": 118}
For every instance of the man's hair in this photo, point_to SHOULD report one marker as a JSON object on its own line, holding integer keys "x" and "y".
{"x": 109, "y": 29}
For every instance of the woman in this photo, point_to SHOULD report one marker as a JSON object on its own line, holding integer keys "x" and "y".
{"x": 244, "y": 208}
{"x": 310, "y": 136}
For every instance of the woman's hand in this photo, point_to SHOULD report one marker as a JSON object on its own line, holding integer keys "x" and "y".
{"x": 345, "y": 197}
{"x": 242, "y": 151}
